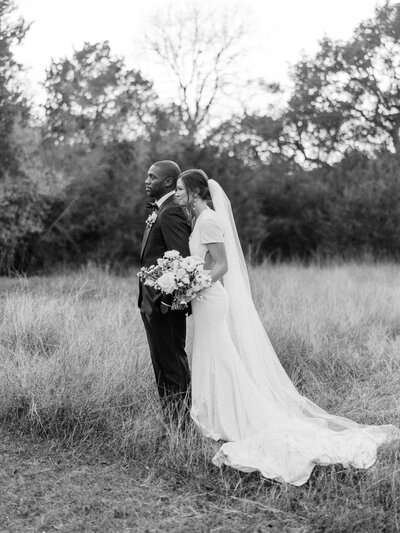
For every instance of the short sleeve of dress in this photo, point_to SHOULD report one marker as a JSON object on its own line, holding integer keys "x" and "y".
{"x": 211, "y": 230}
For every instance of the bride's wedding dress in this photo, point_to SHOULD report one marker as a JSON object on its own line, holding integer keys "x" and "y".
{"x": 240, "y": 392}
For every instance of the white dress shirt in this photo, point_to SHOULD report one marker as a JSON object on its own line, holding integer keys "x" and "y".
{"x": 161, "y": 200}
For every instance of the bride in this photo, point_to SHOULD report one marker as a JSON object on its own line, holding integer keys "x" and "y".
{"x": 240, "y": 392}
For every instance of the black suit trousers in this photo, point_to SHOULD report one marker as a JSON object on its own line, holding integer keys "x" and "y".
{"x": 166, "y": 334}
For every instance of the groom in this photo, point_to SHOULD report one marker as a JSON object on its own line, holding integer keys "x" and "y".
{"x": 166, "y": 229}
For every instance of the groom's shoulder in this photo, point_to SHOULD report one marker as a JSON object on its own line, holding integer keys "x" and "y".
{"x": 171, "y": 203}
{"x": 172, "y": 211}
{"x": 170, "y": 207}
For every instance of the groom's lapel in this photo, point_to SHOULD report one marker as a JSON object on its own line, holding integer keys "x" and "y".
{"x": 144, "y": 240}
{"x": 147, "y": 231}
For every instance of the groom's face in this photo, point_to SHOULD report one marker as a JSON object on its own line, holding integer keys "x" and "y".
{"x": 157, "y": 183}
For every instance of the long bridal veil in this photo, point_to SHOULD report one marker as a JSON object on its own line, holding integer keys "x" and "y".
{"x": 260, "y": 359}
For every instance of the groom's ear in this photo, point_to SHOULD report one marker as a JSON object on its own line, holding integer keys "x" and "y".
{"x": 169, "y": 182}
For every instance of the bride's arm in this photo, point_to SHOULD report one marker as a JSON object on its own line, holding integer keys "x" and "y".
{"x": 217, "y": 253}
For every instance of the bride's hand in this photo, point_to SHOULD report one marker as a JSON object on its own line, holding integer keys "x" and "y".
{"x": 199, "y": 294}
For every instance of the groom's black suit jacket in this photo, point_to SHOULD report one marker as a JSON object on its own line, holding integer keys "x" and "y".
{"x": 170, "y": 231}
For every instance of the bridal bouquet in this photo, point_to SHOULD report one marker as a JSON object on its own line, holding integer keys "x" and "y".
{"x": 182, "y": 277}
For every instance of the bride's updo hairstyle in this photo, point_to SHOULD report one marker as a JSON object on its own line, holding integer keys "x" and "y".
{"x": 195, "y": 182}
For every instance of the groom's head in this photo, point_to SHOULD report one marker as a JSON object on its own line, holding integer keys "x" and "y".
{"x": 161, "y": 178}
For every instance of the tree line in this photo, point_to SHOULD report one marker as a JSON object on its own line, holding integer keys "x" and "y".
{"x": 316, "y": 178}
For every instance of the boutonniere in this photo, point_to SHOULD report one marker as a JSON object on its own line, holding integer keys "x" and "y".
{"x": 151, "y": 219}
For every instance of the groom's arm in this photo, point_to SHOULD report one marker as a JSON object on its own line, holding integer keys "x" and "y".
{"x": 176, "y": 230}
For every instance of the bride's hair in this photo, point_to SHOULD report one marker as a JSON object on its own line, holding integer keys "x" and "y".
{"x": 195, "y": 181}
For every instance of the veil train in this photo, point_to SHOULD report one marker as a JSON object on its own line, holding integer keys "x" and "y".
{"x": 299, "y": 421}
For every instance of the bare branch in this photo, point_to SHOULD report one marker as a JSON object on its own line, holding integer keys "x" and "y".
{"x": 199, "y": 49}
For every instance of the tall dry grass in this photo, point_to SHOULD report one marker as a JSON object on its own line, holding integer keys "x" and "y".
{"x": 74, "y": 365}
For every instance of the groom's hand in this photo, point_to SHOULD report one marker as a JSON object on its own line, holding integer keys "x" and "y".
{"x": 166, "y": 303}
{"x": 164, "y": 308}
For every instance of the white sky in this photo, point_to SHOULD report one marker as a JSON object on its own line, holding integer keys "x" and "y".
{"x": 282, "y": 30}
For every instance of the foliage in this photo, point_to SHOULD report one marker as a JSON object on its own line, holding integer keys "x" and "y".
{"x": 320, "y": 178}
{"x": 102, "y": 212}
{"x": 12, "y": 103}
{"x": 348, "y": 96}
{"x": 362, "y": 207}
{"x": 94, "y": 99}
{"x": 349, "y": 210}
{"x": 22, "y": 222}
{"x": 345, "y": 98}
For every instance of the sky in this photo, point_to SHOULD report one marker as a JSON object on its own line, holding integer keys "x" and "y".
{"x": 281, "y": 31}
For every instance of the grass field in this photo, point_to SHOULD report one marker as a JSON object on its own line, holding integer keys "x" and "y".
{"x": 84, "y": 446}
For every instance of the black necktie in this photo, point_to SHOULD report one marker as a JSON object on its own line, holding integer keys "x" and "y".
{"x": 152, "y": 205}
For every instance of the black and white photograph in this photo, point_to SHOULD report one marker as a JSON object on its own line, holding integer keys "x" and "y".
{"x": 199, "y": 266}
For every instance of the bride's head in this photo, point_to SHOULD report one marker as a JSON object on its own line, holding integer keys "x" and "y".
{"x": 192, "y": 188}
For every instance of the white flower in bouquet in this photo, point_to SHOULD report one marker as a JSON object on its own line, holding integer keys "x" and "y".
{"x": 190, "y": 263}
{"x": 180, "y": 273}
{"x": 166, "y": 282}
{"x": 172, "y": 254}
{"x": 203, "y": 279}
{"x": 165, "y": 264}
{"x": 196, "y": 288}
{"x": 175, "y": 265}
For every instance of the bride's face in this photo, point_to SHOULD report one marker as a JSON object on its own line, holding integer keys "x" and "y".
{"x": 181, "y": 194}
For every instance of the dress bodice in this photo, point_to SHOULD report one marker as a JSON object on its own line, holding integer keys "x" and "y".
{"x": 207, "y": 229}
